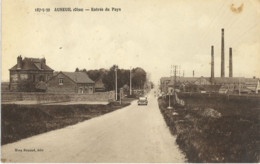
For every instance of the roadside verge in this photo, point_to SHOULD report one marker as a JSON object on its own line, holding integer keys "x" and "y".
{"x": 22, "y": 121}
{"x": 215, "y": 130}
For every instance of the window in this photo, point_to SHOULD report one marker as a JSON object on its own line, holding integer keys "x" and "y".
{"x": 80, "y": 90}
{"x": 60, "y": 81}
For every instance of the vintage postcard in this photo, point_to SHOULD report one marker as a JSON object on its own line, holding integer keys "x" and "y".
{"x": 116, "y": 81}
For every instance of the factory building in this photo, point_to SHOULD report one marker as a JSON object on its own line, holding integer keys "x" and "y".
{"x": 222, "y": 84}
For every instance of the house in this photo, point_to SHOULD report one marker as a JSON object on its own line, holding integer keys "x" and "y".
{"x": 202, "y": 81}
{"x": 4, "y": 86}
{"x": 164, "y": 81}
{"x": 71, "y": 82}
{"x": 27, "y": 73}
{"x": 182, "y": 83}
{"x": 99, "y": 85}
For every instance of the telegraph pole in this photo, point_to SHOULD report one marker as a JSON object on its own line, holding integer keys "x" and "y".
{"x": 130, "y": 81}
{"x": 239, "y": 87}
{"x": 169, "y": 107}
{"x": 179, "y": 71}
{"x": 116, "y": 80}
{"x": 174, "y": 76}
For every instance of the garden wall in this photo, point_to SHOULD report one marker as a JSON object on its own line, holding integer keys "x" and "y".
{"x": 54, "y": 97}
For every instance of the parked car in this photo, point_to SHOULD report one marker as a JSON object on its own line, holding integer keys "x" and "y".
{"x": 142, "y": 101}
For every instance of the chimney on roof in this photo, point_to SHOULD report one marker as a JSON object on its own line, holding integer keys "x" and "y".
{"x": 19, "y": 62}
{"x": 222, "y": 54}
{"x": 212, "y": 62}
{"x": 43, "y": 62}
{"x": 230, "y": 63}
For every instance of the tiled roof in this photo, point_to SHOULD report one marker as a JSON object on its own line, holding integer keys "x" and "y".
{"x": 55, "y": 73}
{"x": 99, "y": 84}
{"x": 32, "y": 64}
{"x": 78, "y": 77}
{"x": 235, "y": 80}
{"x": 217, "y": 80}
{"x": 180, "y": 80}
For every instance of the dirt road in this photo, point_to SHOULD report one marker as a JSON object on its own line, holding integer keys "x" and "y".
{"x": 132, "y": 134}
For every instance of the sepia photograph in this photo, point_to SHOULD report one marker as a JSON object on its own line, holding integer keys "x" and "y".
{"x": 150, "y": 81}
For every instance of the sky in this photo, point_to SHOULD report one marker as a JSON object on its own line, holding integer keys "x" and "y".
{"x": 152, "y": 34}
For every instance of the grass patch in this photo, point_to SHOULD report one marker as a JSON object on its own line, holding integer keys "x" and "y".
{"x": 215, "y": 129}
{"x": 22, "y": 121}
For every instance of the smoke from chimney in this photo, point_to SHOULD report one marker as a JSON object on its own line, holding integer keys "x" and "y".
{"x": 230, "y": 63}
{"x": 222, "y": 54}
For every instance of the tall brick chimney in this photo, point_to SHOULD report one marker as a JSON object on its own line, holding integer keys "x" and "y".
{"x": 212, "y": 62}
{"x": 19, "y": 62}
{"x": 222, "y": 54}
{"x": 230, "y": 63}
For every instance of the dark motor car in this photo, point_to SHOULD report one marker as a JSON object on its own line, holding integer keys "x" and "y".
{"x": 142, "y": 101}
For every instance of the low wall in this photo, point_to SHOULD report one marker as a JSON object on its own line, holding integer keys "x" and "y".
{"x": 54, "y": 97}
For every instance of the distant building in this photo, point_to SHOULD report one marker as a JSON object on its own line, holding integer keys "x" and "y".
{"x": 238, "y": 85}
{"x": 71, "y": 82}
{"x": 217, "y": 85}
{"x": 28, "y": 73}
{"x": 99, "y": 85}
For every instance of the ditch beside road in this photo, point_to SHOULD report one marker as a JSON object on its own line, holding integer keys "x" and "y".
{"x": 215, "y": 129}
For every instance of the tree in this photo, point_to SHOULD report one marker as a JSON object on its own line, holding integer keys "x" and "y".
{"x": 96, "y": 74}
{"x": 123, "y": 77}
{"x": 109, "y": 79}
{"x": 26, "y": 86}
{"x": 139, "y": 78}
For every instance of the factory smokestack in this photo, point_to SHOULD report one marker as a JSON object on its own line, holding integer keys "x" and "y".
{"x": 212, "y": 62}
{"x": 230, "y": 63}
{"x": 222, "y": 54}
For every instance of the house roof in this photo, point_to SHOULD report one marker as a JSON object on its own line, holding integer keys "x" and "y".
{"x": 99, "y": 83}
{"x": 188, "y": 79}
{"x": 78, "y": 77}
{"x": 236, "y": 80}
{"x": 217, "y": 80}
{"x": 180, "y": 80}
{"x": 32, "y": 64}
{"x": 55, "y": 73}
